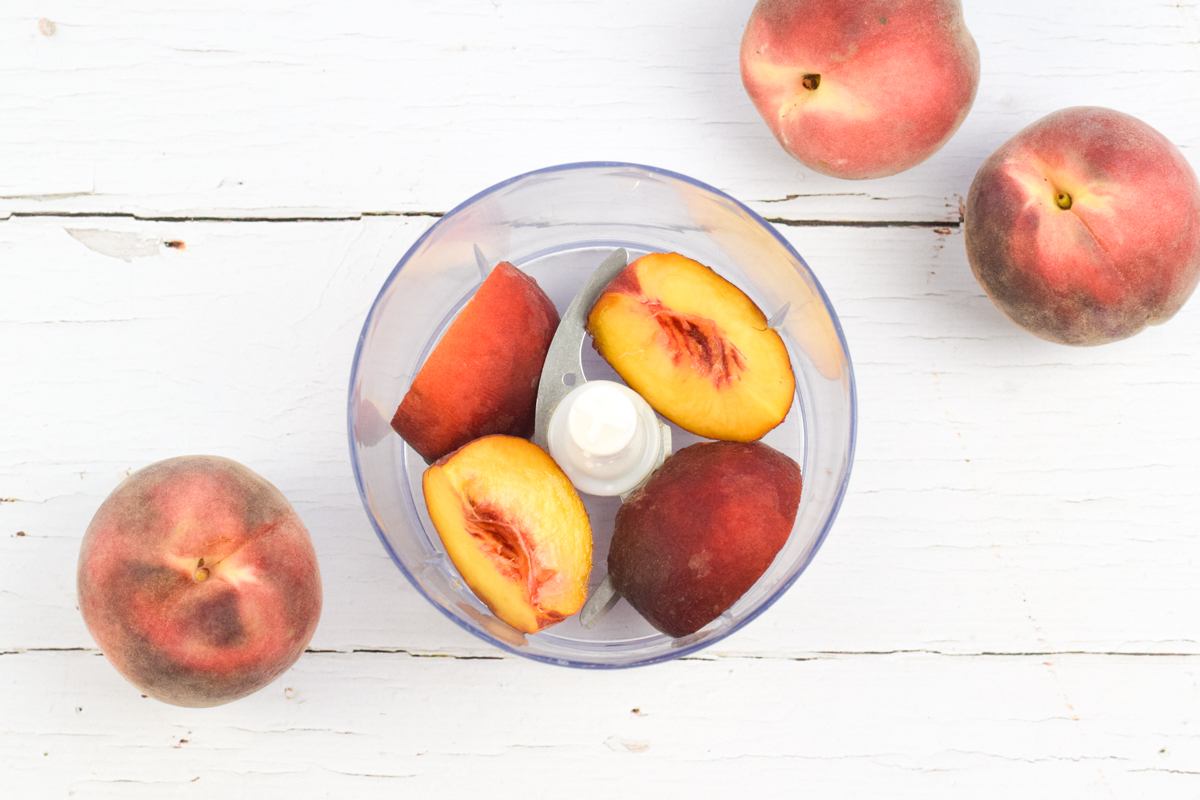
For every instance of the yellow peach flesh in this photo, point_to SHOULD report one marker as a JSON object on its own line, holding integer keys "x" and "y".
{"x": 514, "y": 527}
{"x": 695, "y": 347}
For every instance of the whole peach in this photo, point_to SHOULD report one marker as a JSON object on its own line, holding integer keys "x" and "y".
{"x": 198, "y": 581}
{"x": 1084, "y": 228}
{"x": 860, "y": 88}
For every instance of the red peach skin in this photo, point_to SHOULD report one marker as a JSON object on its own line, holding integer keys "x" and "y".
{"x": 1084, "y": 228}
{"x": 482, "y": 377}
{"x": 198, "y": 581}
{"x": 705, "y": 527}
{"x": 860, "y": 88}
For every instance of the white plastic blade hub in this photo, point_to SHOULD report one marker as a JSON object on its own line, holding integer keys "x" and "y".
{"x": 605, "y": 437}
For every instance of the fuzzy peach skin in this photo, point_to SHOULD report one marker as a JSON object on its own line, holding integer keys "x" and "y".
{"x": 705, "y": 527}
{"x": 1084, "y": 228}
{"x": 482, "y": 377}
{"x": 198, "y": 581}
{"x": 860, "y": 88}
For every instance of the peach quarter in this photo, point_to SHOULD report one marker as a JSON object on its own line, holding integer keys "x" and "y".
{"x": 515, "y": 529}
{"x": 482, "y": 377}
{"x": 695, "y": 347}
{"x": 706, "y": 526}
{"x": 198, "y": 581}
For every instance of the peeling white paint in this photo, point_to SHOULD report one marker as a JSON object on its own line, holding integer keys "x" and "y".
{"x": 125, "y": 245}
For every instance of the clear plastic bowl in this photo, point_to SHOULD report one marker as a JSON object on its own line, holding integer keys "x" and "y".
{"x": 558, "y": 224}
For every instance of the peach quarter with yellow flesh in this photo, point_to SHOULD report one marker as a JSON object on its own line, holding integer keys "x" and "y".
{"x": 482, "y": 376}
{"x": 1084, "y": 228}
{"x": 706, "y": 526}
{"x": 198, "y": 581}
{"x": 695, "y": 347}
{"x": 860, "y": 88}
{"x": 515, "y": 529}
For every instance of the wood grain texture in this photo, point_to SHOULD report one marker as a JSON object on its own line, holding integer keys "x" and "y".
{"x": 169, "y": 109}
{"x": 847, "y": 726}
{"x": 198, "y": 205}
{"x": 1022, "y": 496}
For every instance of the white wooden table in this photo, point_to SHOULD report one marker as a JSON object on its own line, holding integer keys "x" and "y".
{"x": 198, "y": 203}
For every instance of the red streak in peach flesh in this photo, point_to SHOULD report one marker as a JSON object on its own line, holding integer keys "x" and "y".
{"x": 498, "y": 539}
{"x": 627, "y": 282}
{"x": 700, "y": 342}
{"x": 686, "y": 336}
{"x": 503, "y": 541}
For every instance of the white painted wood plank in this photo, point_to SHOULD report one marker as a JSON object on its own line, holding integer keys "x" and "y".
{"x": 374, "y": 725}
{"x": 1006, "y": 604}
{"x": 162, "y": 108}
{"x": 1009, "y": 495}
{"x": 1007, "y": 492}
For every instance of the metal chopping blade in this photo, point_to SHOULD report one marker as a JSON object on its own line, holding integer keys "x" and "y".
{"x": 562, "y": 372}
{"x": 564, "y": 359}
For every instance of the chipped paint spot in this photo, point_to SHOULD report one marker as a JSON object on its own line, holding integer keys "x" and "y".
{"x": 125, "y": 245}
{"x": 618, "y": 744}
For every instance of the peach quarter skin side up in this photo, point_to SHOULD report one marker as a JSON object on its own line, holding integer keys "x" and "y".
{"x": 1125, "y": 251}
{"x": 482, "y": 377}
{"x": 860, "y": 88}
{"x": 198, "y": 581}
{"x": 705, "y": 527}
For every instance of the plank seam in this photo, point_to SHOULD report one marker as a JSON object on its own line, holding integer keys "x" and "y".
{"x": 792, "y": 223}
{"x": 815, "y": 655}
